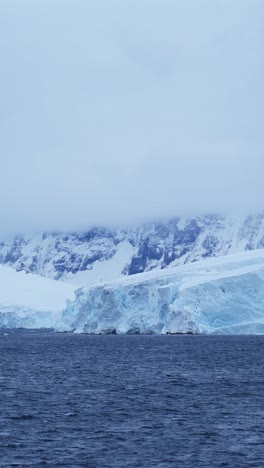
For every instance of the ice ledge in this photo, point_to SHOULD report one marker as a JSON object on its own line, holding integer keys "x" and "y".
{"x": 218, "y": 295}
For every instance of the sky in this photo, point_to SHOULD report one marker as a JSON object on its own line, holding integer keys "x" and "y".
{"x": 119, "y": 111}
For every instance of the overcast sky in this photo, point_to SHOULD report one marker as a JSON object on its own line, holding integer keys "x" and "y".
{"x": 114, "y": 111}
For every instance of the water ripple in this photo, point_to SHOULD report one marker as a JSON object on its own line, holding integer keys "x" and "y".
{"x": 131, "y": 401}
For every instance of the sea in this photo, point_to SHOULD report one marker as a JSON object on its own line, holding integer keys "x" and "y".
{"x": 69, "y": 400}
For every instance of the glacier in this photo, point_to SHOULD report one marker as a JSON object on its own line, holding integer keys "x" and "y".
{"x": 218, "y": 295}
{"x": 31, "y": 301}
{"x": 215, "y": 295}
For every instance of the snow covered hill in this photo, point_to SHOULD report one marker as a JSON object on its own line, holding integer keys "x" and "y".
{"x": 31, "y": 301}
{"x": 101, "y": 254}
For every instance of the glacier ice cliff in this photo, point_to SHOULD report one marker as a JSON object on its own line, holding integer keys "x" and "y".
{"x": 218, "y": 295}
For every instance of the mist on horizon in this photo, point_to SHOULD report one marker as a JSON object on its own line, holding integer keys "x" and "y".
{"x": 115, "y": 113}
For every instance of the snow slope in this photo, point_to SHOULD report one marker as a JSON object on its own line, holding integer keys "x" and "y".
{"x": 219, "y": 295}
{"x": 100, "y": 254}
{"x": 104, "y": 270}
{"x": 30, "y": 300}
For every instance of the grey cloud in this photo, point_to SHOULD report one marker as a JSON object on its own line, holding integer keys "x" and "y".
{"x": 114, "y": 112}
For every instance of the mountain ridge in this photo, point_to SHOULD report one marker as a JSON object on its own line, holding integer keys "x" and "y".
{"x": 85, "y": 257}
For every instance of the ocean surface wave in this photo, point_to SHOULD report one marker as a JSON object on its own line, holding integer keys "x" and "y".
{"x": 131, "y": 401}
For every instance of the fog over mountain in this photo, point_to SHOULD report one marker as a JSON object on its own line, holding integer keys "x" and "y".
{"x": 116, "y": 112}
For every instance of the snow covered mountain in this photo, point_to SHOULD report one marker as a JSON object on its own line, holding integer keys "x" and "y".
{"x": 85, "y": 258}
{"x": 218, "y": 295}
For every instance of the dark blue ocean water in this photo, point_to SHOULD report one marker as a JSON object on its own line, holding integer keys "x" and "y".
{"x": 131, "y": 401}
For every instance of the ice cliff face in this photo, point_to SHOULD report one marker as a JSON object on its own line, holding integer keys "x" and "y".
{"x": 221, "y": 295}
{"x": 217, "y": 295}
{"x": 103, "y": 254}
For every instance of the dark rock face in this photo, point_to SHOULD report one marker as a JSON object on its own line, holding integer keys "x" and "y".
{"x": 210, "y": 245}
{"x": 154, "y": 245}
